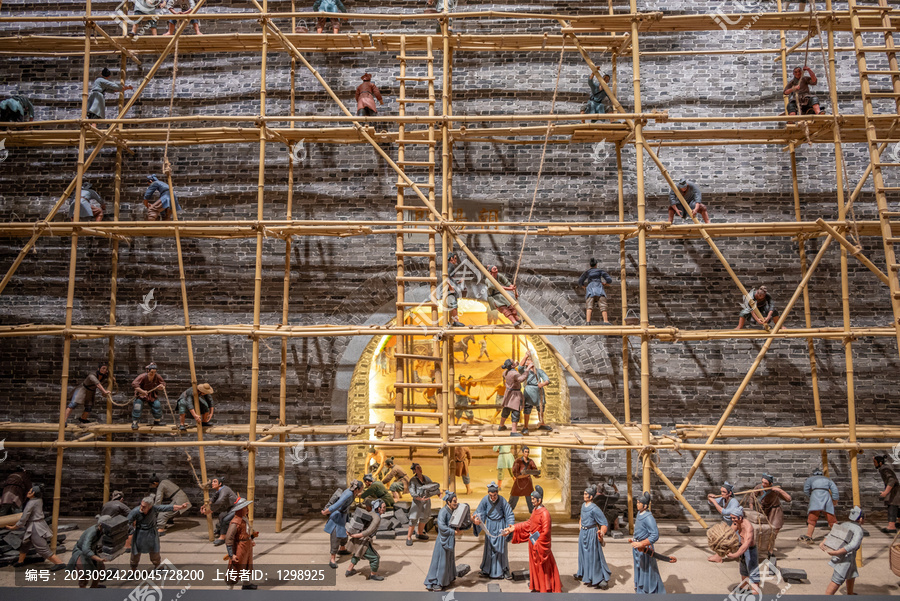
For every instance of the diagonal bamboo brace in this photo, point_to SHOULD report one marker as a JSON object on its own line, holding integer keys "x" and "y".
{"x": 762, "y": 353}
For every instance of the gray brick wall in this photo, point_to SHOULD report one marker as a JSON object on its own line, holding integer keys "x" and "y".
{"x": 346, "y": 281}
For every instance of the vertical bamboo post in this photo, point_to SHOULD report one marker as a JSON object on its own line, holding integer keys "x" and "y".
{"x": 400, "y": 341}
{"x": 70, "y": 293}
{"x": 642, "y": 251}
{"x": 446, "y": 212}
{"x": 845, "y": 276}
{"x": 285, "y": 304}
{"x": 113, "y": 287}
{"x": 257, "y": 278}
{"x": 626, "y": 355}
{"x": 801, "y": 243}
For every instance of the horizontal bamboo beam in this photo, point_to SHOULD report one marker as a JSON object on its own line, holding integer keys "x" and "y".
{"x": 664, "y": 334}
{"x": 688, "y": 431}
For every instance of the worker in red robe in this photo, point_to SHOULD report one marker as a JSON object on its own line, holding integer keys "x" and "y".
{"x": 239, "y": 542}
{"x": 544, "y": 574}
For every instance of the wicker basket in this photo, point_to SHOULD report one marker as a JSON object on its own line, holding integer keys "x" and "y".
{"x": 894, "y": 557}
{"x": 631, "y": 318}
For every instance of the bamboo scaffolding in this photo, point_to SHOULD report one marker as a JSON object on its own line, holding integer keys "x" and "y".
{"x": 801, "y": 247}
{"x": 257, "y": 277}
{"x": 70, "y": 291}
{"x": 619, "y": 127}
{"x": 110, "y": 131}
{"x": 626, "y": 353}
{"x": 762, "y": 353}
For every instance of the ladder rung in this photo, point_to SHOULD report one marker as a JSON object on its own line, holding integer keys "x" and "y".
{"x": 889, "y": 214}
{"x": 415, "y": 278}
{"x": 430, "y": 385}
{"x": 892, "y": 240}
{"x": 877, "y": 49}
{"x": 416, "y": 163}
{"x": 887, "y": 164}
{"x": 882, "y": 29}
{"x": 405, "y": 185}
{"x": 406, "y": 57}
{"x": 404, "y": 78}
{"x": 412, "y": 304}
{"x": 419, "y": 357}
{"x": 895, "y": 266}
{"x": 423, "y": 414}
{"x": 880, "y": 72}
{"x": 884, "y": 94}
{"x": 896, "y": 295}
{"x": 408, "y": 141}
{"x": 869, "y": 8}
{"x": 413, "y": 208}
{"x": 415, "y": 253}
{"x": 889, "y": 188}
{"x": 416, "y": 101}
{"x": 886, "y": 140}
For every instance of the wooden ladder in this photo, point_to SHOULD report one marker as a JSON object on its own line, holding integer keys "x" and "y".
{"x": 879, "y": 167}
{"x": 422, "y": 172}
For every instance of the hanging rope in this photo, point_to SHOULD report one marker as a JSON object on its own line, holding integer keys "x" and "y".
{"x": 537, "y": 184}
{"x": 167, "y": 166}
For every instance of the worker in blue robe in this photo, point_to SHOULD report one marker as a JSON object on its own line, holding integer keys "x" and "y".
{"x": 725, "y": 504}
{"x": 16, "y": 109}
{"x": 646, "y": 573}
{"x": 493, "y": 515}
{"x": 592, "y": 568}
{"x": 442, "y": 571}
{"x": 143, "y": 519}
{"x": 336, "y": 526}
{"x": 97, "y": 95}
{"x": 159, "y": 209}
{"x": 822, "y": 493}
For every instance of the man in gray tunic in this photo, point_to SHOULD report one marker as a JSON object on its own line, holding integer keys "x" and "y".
{"x": 420, "y": 511}
{"x": 96, "y": 96}
{"x": 497, "y": 301}
{"x": 168, "y": 493}
{"x": 37, "y": 533}
{"x": 144, "y": 518}
{"x": 116, "y": 506}
{"x": 694, "y": 198}
{"x": 361, "y": 544}
{"x": 822, "y": 494}
{"x": 185, "y": 405}
{"x": 843, "y": 560}
{"x": 84, "y": 394}
{"x": 91, "y": 204}
{"x": 222, "y": 501}
{"x": 147, "y": 11}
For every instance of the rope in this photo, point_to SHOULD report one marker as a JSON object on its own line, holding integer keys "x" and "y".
{"x": 167, "y": 166}
{"x": 537, "y": 184}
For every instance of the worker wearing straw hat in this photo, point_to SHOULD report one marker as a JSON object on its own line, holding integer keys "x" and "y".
{"x": 239, "y": 543}
{"x": 185, "y": 405}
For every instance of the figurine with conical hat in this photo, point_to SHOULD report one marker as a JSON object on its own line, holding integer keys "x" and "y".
{"x": 239, "y": 542}
{"x": 366, "y": 95}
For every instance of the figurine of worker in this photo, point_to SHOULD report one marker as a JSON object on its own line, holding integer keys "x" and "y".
{"x": 843, "y": 560}
{"x": 822, "y": 493}
{"x": 159, "y": 210}
{"x": 366, "y": 95}
{"x": 764, "y": 305}
{"x": 798, "y": 88}
{"x": 185, "y": 406}
{"x": 692, "y": 195}
{"x": 146, "y": 390}
{"x": 497, "y": 301}
{"x": 99, "y": 88}
{"x": 594, "y": 294}
{"x": 329, "y": 7}
{"x": 184, "y": 7}
{"x": 596, "y": 104}
{"x": 85, "y": 392}
{"x": 91, "y": 204}
{"x": 16, "y": 109}
{"x": 891, "y": 493}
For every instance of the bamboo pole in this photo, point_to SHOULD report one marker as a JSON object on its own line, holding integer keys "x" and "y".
{"x": 762, "y": 353}
{"x": 626, "y": 354}
{"x": 854, "y": 251}
{"x": 87, "y": 162}
{"x": 257, "y": 278}
{"x": 285, "y": 303}
{"x": 70, "y": 291}
{"x": 640, "y": 146}
{"x": 447, "y": 356}
{"x": 801, "y": 245}
{"x": 113, "y": 288}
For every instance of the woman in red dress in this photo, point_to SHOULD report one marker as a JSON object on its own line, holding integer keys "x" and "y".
{"x": 544, "y": 574}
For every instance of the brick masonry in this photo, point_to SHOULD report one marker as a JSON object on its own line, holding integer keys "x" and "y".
{"x": 348, "y": 280}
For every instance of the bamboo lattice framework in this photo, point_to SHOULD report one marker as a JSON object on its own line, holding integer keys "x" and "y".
{"x": 617, "y": 33}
